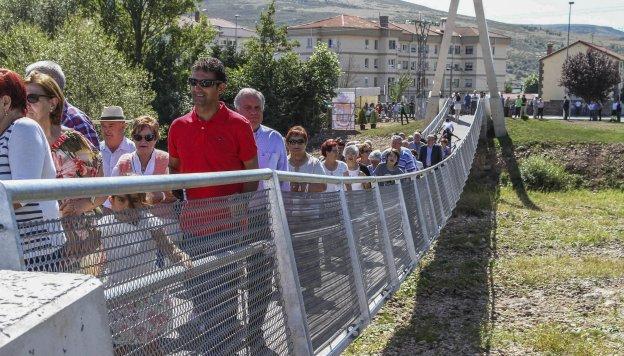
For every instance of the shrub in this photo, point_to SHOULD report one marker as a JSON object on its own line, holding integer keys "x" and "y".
{"x": 538, "y": 173}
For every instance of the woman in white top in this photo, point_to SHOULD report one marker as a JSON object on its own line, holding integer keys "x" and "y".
{"x": 25, "y": 154}
{"x": 331, "y": 164}
{"x": 351, "y": 154}
{"x": 300, "y": 161}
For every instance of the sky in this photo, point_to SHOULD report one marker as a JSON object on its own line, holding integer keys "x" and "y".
{"x": 595, "y": 12}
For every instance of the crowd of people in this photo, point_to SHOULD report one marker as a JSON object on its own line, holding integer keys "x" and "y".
{"x": 43, "y": 136}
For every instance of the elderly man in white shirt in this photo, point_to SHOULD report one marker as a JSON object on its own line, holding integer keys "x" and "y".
{"x": 271, "y": 147}
{"x": 115, "y": 144}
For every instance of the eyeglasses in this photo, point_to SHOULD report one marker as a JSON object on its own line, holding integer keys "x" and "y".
{"x": 148, "y": 137}
{"x": 34, "y": 98}
{"x": 204, "y": 83}
{"x": 296, "y": 142}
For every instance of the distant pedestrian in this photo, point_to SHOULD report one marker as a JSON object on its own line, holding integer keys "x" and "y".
{"x": 616, "y": 111}
{"x": 540, "y": 108}
{"x": 517, "y": 107}
{"x": 535, "y": 103}
{"x": 566, "y": 108}
{"x": 523, "y": 107}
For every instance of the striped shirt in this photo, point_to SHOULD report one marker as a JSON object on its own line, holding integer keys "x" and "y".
{"x": 25, "y": 154}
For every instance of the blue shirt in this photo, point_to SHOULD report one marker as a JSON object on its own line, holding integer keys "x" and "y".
{"x": 271, "y": 151}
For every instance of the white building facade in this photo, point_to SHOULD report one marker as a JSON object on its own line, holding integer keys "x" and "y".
{"x": 376, "y": 54}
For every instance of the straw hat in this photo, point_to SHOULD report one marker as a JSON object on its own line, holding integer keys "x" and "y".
{"x": 112, "y": 114}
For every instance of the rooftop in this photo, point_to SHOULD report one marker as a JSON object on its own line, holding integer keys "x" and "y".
{"x": 591, "y": 45}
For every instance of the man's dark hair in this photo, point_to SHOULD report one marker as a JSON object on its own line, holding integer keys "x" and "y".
{"x": 211, "y": 65}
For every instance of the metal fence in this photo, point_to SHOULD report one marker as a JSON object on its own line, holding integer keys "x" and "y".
{"x": 260, "y": 273}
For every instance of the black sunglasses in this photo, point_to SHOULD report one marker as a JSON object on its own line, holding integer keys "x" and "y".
{"x": 204, "y": 83}
{"x": 148, "y": 137}
{"x": 296, "y": 142}
{"x": 34, "y": 98}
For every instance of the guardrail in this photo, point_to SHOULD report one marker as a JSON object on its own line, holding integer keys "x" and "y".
{"x": 256, "y": 273}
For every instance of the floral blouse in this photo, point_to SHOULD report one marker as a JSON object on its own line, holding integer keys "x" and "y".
{"x": 74, "y": 156}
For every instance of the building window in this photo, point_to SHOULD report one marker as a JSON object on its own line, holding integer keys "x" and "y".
{"x": 375, "y": 82}
{"x": 390, "y": 81}
{"x": 391, "y": 63}
{"x": 413, "y": 66}
{"x": 376, "y": 45}
{"x": 468, "y": 66}
{"x": 330, "y": 43}
{"x": 456, "y": 66}
{"x": 435, "y": 65}
{"x": 426, "y": 65}
{"x": 366, "y": 43}
{"x": 468, "y": 83}
{"x": 375, "y": 63}
{"x": 365, "y": 81}
{"x": 450, "y": 49}
{"x": 426, "y": 82}
{"x": 365, "y": 62}
{"x": 309, "y": 43}
{"x": 469, "y": 50}
{"x": 455, "y": 83}
{"x": 405, "y": 64}
{"x": 391, "y": 44}
{"x": 413, "y": 49}
{"x": 457, "y": 49}
{"x": 404, "y": 48}
{"x": 435, "y": 49}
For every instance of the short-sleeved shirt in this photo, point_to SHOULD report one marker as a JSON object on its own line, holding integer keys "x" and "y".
{"x": 271, "y": 151}
{"x": 220, "y": 144}
{"x": 340, "y": 171}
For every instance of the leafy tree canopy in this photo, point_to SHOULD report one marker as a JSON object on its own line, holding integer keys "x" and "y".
{"x": 591, "y": 75}
{"x": 531, "y": 84}
{"x": 97, "y": 74}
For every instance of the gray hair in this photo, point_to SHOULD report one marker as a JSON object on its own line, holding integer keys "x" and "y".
{"x": 376, "y": 155}
{"x": 353, "y": 149}
{"x": 397, "y": 138}
{"x": 50, "y": 68}
{"x": 251, "y": 92}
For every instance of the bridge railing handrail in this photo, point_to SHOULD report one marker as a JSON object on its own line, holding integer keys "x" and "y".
{"x": 424, "y": 203}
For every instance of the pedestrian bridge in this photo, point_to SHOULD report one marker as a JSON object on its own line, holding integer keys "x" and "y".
{"x": 271, "y": 272}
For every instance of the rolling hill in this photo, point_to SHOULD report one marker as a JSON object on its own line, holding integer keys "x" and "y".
{"x": 528, "y": 41}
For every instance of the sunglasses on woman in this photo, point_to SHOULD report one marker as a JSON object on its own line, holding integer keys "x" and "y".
{"x": 204, "y": 83}
{"x": 148, "y": 137}
{"x": 34, "y": 98}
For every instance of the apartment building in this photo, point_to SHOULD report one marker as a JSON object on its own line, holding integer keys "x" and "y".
{"x": 376, "y": 54}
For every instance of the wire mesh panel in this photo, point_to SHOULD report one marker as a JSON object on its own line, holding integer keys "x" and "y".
{"x": 435, "y": 195}
{"x": 410, "y": 203}
{"x": 392, "y": 209}
{"x": 367, "y": 231}
{"x": 323, "y": 262}
{"x": 427, "y": 208}
{"x": 192, "y": 277}
{"x": 443, "y": 191}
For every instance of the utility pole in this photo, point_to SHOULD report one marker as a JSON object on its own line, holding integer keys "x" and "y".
{"x": 236, "y": 33}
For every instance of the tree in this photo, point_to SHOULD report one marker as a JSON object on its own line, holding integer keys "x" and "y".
{"x": 49, "y": 15}
{"x": 508, "y": 87}
{"x": 97, "y": 74}
{"x": 398, "y": 88}
{"x": 531, "y": 84}
{"x": 591, "y": 75}
{"x": 296, "y": 92}
{"x": 230, "y": 57}
{"x": 137, "y": 24}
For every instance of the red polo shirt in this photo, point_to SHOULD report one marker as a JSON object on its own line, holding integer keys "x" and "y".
{"x": 220, "y": 144}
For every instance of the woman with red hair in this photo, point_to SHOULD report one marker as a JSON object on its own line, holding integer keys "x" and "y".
{"x": 25, "y": 154}
{"x": 332, "y": 164}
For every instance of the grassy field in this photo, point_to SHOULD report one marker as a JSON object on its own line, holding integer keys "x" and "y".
{"x": 516, "y": 272}
{"x": 559, "y": 131}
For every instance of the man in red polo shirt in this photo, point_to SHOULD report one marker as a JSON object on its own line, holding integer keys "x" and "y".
{"x": 213, "y": 138}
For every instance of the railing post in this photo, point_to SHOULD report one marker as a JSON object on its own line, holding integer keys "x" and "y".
{"x": 358, "y": 274}
{"x": 385, "y": 237}
{"x": 407, "y": 228}
{"x": 10, "y": 247}
{"x": 419, "y": 210}
{"x": 297, "y": 321}
{"x": 433, "y": 215}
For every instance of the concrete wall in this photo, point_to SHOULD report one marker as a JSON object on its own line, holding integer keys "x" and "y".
{"x": 52, "y": 314}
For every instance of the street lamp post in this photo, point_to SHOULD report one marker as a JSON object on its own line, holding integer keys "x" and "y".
{"x": 236, "y": 32}
{"x": 569, "y": 19}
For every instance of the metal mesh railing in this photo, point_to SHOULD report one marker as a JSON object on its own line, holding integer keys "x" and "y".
{"x": 260, "y": 273}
